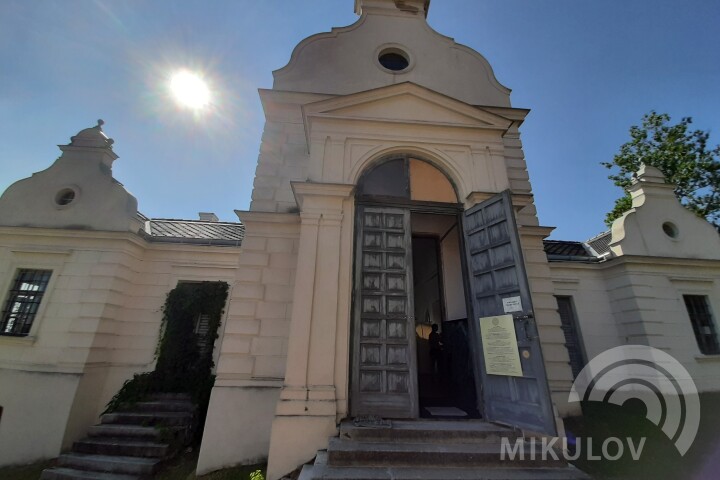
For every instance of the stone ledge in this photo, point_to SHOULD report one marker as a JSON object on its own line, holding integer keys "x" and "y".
{"x": 707, "y": 358}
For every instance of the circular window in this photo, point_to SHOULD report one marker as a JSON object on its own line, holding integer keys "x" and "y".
{"x": 394, "y": 59}
{"x": 670, "y": 230}
{"x": 65, "y": 196}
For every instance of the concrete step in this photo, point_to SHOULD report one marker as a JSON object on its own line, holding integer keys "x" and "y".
{"x": 324, "y": 472}
{"x": 125, "y": 431}
{"x": 122, "y": 446}
{"x": 347, "y": 453}
{"x": 146, "y": 419}
{"x": 110, "y": 464}
{"x": 163, "y": 406}
{"x": 171, "y": 397}
{"x": 430, "y": 431}
{"x": 59, "y": 473}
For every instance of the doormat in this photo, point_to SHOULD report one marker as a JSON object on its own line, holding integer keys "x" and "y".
{"x": 445, "y": 412}
{"x": 371, "y": 421}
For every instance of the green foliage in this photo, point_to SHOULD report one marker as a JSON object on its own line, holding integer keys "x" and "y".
{"x": 179, "y": 361}
{"x": 134, "y": 390}
{"x": 257, "y": 475}
{"x": 182, "y": 366}
{"x": 622, "y": 205}
{"x": 682, "y": 155}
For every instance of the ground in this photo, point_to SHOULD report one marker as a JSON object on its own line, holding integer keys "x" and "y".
{"x": 660, "y": 458}
{"x": 182, "y": 468}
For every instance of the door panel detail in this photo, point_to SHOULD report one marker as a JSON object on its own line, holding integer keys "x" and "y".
{"x": 496, "y": 270}
{"x": 384, "y": 376}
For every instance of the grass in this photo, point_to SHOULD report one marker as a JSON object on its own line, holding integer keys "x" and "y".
{"x": 183, "y": 468}
{"x": 660, "y": 458}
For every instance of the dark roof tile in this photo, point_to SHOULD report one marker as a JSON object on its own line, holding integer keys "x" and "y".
{"x": 601, "y": 243}
{"x": 194, "y": 231}
{"x": 565, "y": 249}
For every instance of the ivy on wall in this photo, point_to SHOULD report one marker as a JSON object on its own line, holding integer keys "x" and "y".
{"x": 184, "y": 361}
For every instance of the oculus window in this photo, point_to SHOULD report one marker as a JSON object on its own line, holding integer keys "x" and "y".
{"x": 394, "y": 61}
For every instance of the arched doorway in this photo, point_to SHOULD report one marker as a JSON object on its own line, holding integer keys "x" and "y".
{"x": 412, "y": 344}
{"x": 411, "y": 229}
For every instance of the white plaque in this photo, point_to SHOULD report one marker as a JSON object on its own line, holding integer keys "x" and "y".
{"x": 512, "y": 304}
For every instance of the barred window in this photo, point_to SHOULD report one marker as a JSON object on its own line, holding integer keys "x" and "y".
{"x": 23, "y": 301}
{"x": 702, "y": 323}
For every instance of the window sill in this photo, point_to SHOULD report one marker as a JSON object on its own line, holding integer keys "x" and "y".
{"x": 13, "y": 340}
{"x": 707, "y": 358}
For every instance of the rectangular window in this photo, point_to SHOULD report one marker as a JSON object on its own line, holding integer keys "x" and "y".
{"x": 572, "y": 335}
{"x": 702, "y": 323}
{"x": 23, "y": 301}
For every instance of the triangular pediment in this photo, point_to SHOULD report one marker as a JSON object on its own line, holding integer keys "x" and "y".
{"x": 405, "y": 103}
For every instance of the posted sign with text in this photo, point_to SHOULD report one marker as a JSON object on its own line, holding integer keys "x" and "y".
{"x": 500, "y": 348}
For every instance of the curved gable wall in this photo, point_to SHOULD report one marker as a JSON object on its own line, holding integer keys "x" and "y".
{"x": 344, "y": 61}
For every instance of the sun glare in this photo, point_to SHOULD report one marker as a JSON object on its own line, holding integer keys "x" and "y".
{"x": 189, "y": 90}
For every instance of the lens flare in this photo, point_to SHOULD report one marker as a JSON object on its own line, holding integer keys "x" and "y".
{"x": 189, "y": 90}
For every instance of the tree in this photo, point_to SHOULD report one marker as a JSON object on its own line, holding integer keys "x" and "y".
{"x": 681, "y": 154}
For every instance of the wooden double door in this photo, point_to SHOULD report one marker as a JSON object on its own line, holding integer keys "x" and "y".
{"x": 383, "y": 366}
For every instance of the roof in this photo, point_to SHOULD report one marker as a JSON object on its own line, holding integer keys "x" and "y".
{"x": 192, "y": 231}
{"x": 601, "y": 243}
{"x": 562, "y": 248}
{"x": 594, "y": 250}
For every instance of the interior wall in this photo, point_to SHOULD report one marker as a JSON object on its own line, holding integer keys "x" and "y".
{"x": 455, "y": 306}
{"x": 445, "y": 227}
{"x": 426, "y": 284}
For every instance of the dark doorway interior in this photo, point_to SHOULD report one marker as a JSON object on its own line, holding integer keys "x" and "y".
{"x": 445, "y": 372}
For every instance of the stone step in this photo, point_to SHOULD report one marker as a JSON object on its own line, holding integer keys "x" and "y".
{"x": 147, "y": 418}
{"x": 434, "y": 431}
{"x": 163, "y": 406}
{"x": 59, "y": 473}
{"x": 170, "y": 397}
{"x": 348, "y": 453}
{"x": 125, "y": 431}
{"x": 324, "y": 472}
{"x": 122, "y": 446}
{"x": 110, "y": 464}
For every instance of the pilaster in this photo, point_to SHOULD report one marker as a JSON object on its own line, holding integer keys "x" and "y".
{"x": 306, "y": 411}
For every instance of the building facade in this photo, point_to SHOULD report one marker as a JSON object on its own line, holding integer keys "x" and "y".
{"x": 391, "y": 194}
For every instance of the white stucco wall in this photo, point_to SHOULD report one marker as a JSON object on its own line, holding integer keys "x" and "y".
{"x": 344, "y": 60}
{"x": 253, "y": 347}
{"x": 36, "y": 406}
{"x": 98, "y": 324}
{"x": 639, "y": 300}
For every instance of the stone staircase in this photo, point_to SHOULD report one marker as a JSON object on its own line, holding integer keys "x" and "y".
{"x": 130, "y": 445}
{"x": 431, "y": 450}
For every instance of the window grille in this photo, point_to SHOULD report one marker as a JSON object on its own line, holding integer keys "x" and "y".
{"x": 202, "y": 328}
{"x": 702, "y": 323}
{"x": 23, "y": 301}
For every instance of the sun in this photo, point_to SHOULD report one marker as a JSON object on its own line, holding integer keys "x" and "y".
{"x": 189, "y": 90}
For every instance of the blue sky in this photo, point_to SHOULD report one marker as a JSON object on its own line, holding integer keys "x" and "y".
{"x": 587, "y": 70}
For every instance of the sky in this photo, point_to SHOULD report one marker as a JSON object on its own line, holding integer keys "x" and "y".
{"x": 587, "y": 69}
